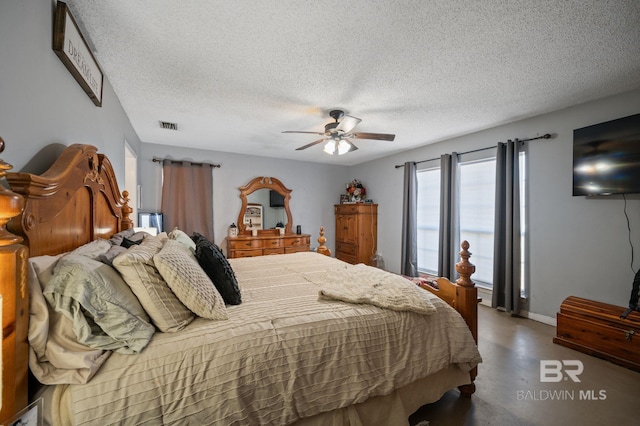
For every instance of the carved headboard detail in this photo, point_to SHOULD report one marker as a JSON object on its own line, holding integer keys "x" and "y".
{"x": 76, "y": 201}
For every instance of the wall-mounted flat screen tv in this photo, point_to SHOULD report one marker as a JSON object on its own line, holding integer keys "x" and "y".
{"x": 275, "y": 199}
{"x": 606, "y": 157}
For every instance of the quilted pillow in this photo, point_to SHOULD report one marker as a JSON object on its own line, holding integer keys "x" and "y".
{"x": 104, "y": 312}
{"x": 139, "y": 272}
{"x": 179, "y": 267}
{"x": 217, "y": 267}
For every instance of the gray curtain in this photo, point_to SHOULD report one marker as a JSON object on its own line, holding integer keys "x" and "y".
{"x": 449, "y": 241}
{"x": 187, "y": 197}
{"x": 506, "y": 267}
{"x": 409, "y": 221}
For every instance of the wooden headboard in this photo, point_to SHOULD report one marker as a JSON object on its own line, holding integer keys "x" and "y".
{"x": 74, "y": 202}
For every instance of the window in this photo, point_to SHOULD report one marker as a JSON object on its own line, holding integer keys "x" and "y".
{"x": 477, "y": 206}
{"x": 428, "y": 219}
{"x": 477, "y": 214}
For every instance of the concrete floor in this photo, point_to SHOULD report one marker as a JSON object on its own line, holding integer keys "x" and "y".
{"x": 509, "y": 390}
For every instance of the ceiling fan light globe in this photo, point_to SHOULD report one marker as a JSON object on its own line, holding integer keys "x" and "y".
{"x": 343, "y": 147}
{"x": 330, "y": 147}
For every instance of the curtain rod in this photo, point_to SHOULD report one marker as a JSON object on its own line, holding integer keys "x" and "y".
{"x": 161, "y": 160}
{"x": 545, "y": 136}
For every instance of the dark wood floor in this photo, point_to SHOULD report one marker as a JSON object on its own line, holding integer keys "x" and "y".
{"x": 509, "y": 391}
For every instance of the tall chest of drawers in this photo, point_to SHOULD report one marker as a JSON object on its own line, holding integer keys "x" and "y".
{"x": 356, "y": 232}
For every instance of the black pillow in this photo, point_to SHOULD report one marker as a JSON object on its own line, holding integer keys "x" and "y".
{"x": 197, "y": 237}
{"x": 126, "y": 242}
{"x": 217, "y": 267}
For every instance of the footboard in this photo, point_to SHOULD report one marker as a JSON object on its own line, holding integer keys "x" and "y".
{"x": 463, "y": 297}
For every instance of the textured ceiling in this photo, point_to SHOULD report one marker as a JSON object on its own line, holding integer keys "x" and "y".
{"x": 234, "y": 74}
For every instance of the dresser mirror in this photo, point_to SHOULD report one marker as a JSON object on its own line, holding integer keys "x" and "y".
{"x": 258, "y": 192}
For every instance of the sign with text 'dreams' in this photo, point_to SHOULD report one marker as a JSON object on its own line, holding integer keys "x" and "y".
{"x": 73, "y": 51}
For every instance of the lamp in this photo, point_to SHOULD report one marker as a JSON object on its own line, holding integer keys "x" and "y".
{"x": 330, "y": 147}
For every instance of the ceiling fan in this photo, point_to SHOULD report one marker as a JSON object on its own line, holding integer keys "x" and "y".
{"x": 338, "y": 133}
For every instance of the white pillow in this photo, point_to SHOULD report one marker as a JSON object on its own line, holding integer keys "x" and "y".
{"x": 183, "y": 238}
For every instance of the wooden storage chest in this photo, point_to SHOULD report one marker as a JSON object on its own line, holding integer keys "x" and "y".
{"x": 596, "y": 328}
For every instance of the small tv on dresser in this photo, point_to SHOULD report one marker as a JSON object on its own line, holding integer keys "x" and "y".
{"x": 275, "y": 199}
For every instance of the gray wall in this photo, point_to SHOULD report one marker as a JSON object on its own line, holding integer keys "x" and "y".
{"x": 578, "y": 246}
{"x": 315, "y": 188}
{"x": 42, "y": 107}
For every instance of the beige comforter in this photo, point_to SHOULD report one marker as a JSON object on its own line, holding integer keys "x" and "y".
{"x": 283, "y": 355}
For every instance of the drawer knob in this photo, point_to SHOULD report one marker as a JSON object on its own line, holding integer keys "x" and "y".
{"x": 248, "y": 244}
{"x": 628, "y": 334}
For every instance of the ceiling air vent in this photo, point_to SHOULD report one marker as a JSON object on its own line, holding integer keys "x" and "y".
{"x": 169, "y": 126}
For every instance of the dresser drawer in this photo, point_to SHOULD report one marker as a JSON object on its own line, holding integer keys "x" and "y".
{"x": 247, "y": 253}
{"x": 296, "y": 249}
{"x": 271, "y": 243}
{"x": 346, "y": 248}
{"x": 347, "y": 209}
{"x": 243, "y": 244}
{"x": 347, "y": 258}
{"x": 280, "y": 250}
{"x": 297, "y": 242}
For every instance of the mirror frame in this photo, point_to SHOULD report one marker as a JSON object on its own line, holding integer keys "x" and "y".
{"x": 264, "y": 182}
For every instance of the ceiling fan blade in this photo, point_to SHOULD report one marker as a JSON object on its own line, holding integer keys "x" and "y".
{"x": 309, "y": 145}
{"x": 348, "y": 123}
{"x": 374, "y": 136}
{"x": 300, "y": 131}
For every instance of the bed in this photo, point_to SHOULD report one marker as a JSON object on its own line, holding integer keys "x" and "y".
{"x": 303, "y": 347}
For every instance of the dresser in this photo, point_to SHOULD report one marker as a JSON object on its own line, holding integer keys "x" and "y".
{"x": 356, "y": 232}
{"x": 266, "y": 243}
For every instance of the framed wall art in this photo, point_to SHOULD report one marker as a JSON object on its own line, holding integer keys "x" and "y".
{"x": 73, "y": 51}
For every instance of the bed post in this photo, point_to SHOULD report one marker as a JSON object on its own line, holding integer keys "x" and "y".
{"x": 322, "y": 249}
{"x": 15, "y": 304}
{"x": 126, "y": 222}
{"x": 467, "y": 305}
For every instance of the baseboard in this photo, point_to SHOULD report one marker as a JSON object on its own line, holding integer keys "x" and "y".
{"x": 485, "y": 294}
{"x": 540, "y": 318}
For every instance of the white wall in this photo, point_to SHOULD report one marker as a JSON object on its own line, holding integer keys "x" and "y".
{"x": 578, "y": 246}
{"x": 42, "y": 107}
{"x": 315, "y": 188}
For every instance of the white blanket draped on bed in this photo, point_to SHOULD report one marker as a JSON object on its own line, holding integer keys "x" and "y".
{"x": 363, "y": 284}
{"x": 281, "y": 356}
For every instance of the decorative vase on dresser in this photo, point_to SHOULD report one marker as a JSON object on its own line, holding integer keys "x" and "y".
{"x": 356, "y": 232}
